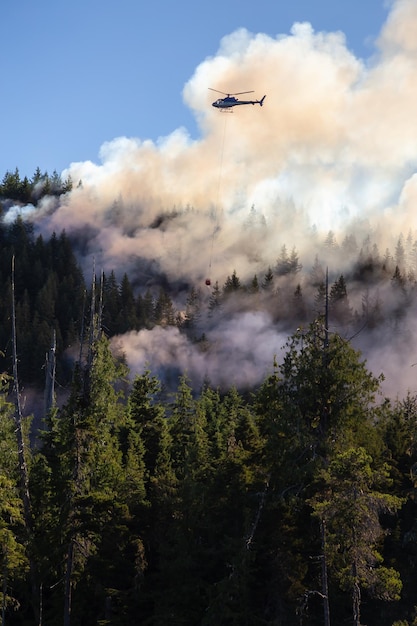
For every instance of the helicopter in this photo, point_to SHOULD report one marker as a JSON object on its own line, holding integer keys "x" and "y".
{"x": 230, "y": 101}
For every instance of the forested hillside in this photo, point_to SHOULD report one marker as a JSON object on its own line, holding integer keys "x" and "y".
{"x": 371, "y": 297}
{"x": 147, "y": 498}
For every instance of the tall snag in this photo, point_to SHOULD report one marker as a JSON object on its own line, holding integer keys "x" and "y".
{"x": 23, "y": 468}
{"x": 21, "y": 448}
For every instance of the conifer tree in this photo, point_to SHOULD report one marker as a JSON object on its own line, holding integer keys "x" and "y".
{"x": 215, "y": 301}
{"x": 11, "y": 185}
{"x": 294, "y": 263}
{"x": 326, "y": 387}
{"x": 350, "y": 504}
{"x": 232, "y": 283}
{"x": 145, "y": 307}
{"x": 286, "y": 462}
{"x": 317, "y": 273}
{"x": 254, "y": 285}
{"x": 164, "y": 309}
{"x": 87, "y": 465}
{"x": 317, "y": 403}
{"x": 339, "y": 302}
{"x": 148, "y": 417}
{"x": 126, "y": 318}
{"x": 111, "y": 304}
{"x": 178, "y": 576}
{"x": 298, "y": 305}
{"x": 268, "y": 281}
{"x": 283, "y": 263}
{"x": 192, "y": 311}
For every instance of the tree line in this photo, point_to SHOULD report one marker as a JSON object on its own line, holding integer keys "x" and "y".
{"x": 30, "y": 190}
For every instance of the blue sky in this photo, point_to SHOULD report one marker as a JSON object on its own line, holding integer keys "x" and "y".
{"x": 78, "y": 73}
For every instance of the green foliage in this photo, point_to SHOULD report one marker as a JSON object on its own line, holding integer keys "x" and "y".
{"x": 147, "y": 418}
{"x": 232, "y": 283}
{"x": 339, "y": 302}
{"x": 13, "y": 535}
{"x": 327, "y": 390}
{"x": 91, "y": 464}
{"x": 203, "y": 508}
{"x": 49, "y": 290}
{"x": 24, "y": 190}
{"x": 349, "y": 503}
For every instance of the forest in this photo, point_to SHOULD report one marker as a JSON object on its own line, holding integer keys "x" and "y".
{"x": 143, "y": 498}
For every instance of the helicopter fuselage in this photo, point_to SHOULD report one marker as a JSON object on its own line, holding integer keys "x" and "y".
{"x": 231, "y": 101}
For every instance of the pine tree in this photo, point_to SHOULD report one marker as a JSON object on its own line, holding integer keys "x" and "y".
{"x": 349, "y": 246}
{"x": 294, "y": 262}
{"x": 327, "y": 397}
{"x": 11, "y": 185}
{"x": 182, "y": 423}
{"x": 148, "y": 416}
{"x": 283, "y": 263}
{"x": 350, "y": 504}
{"x": 399, "y": 257}
{"x": 254, "y": 285}
{"x": 287, "y": 465}
{"x": 339, "y": 302}
{"x": 317, "y": 274}
{"x": 126, "y": 318}
{"x": 164, "y": 309}
{"x": 146, "y": 310}
{"x": 232, "y": 284}
{"x": 215, "y": 301}
{"x": 192, "y": 311}
{"x": 330, "y": 241}
{"x": 268, "y": 281}
{"x": 325, "y": 386}
{"x": 298, "y": 304}
{"x": 86, "y": 478}
{"x": 111, "y": 304}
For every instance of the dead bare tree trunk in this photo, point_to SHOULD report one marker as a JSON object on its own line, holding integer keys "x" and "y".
{"x": 3, "y": 608}
{"x": 23, "y": 468}
{"x": 68, "y": 583}
{"x": 50, "y": 376}
{"x": 85, "y": 372}
{"x": 251, "y": 535}
{"x": 94, "y": 330}
{"x": 324, "y": 581}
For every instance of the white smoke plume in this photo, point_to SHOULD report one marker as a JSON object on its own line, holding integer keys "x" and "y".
{"x": 333, "y": 148}
{"x": 16, "y": 211}
{"x": 248, "y": 337}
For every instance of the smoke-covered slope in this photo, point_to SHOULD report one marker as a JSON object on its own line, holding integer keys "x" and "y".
{"x": 334, "y": 148}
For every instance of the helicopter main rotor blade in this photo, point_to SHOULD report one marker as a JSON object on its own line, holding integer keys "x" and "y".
{"x": 223, "y": 92}
{"x": 239, "y": 93}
